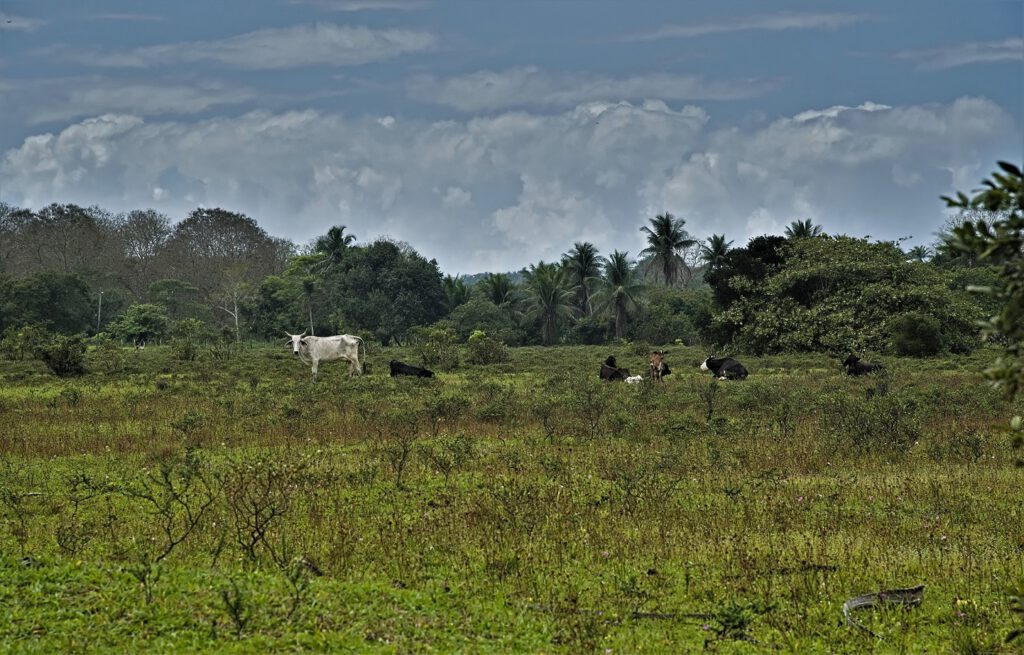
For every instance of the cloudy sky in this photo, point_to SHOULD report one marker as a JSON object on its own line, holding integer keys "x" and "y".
{"x": 491, "y": 134}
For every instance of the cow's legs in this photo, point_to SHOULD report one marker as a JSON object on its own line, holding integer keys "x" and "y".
{"x": 353, "y": 366}
{"x": 316, "y": 363}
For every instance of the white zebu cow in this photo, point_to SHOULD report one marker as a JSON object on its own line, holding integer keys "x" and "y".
{"x": 312, "y": 350}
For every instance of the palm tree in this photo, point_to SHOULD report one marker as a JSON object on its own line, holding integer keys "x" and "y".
{"x": 919, "y": 254}
{"x": 714, "y": 250}
{"x": 619, "y": 290}
{"x": 333, "y": 245}
{"x": 550, "y": 299}
{"x": 456, "y": 291}
{"x": 803, "y": 230}
{"x": 667, "y": 240}
{"x": 499, "y": 289}
{"x": 583, "y": 265}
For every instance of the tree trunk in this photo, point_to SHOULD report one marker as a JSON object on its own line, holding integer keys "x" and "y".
{"x": 620, "y": 320}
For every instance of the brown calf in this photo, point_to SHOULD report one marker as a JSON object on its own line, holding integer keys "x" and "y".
{"x": 658, "y": 366}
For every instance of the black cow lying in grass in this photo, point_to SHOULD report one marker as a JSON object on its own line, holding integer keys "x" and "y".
{"x": 610, "y": 372}
{"x": 724, "y": 368}
{"x": 399, "y": 368}
{"x": 856, "y": 367}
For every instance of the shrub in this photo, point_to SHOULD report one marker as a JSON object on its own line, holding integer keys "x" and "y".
{"x": 481, "y": 314}
{"x": 486, "y": 350}
{"x": 674, "y": 314}
{"x": 437, "y": 348}
{"x": 63, "y": 355}
{"x": 916, "y": 335}
{"x": 185, "y": 337}
{"x": 589, "y": 331}
{"x": 141, "y": 323}
{"x": 225, "y": 346}
{"x": 20, "y": 343}
{"x": 107, "y": 355}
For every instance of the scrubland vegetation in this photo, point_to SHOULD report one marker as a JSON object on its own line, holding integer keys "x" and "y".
{"x": 228, "y": 504}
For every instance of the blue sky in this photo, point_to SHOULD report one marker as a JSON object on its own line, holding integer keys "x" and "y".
{"x": 490, "y": 135}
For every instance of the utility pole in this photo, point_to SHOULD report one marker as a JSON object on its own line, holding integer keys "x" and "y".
{"x": 99, "y": 313}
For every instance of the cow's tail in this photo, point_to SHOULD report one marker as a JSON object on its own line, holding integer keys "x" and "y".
{"x": 362, "y": 362}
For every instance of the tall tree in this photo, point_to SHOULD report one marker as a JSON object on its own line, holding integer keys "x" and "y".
{"x": 583, "y": 266}
{"x": 455, "y": 290}
{"x": 499, "y": 289}
{"x": 68, "y": 239}
{"x": 224, "y": 254}
{"x": 62, "y": 303}
{"x": 667, "y": 240}
{"x": 388, "y": 288}
{"x": 334, "y": 244}
{"x": 919, "y": 254}
{"x": 143, "y": 235}
{"x": 713, "y": 251}
{"x": 803, "y": 230}
{"x": 619, "y": 290}
{"x": 549, "y": 299}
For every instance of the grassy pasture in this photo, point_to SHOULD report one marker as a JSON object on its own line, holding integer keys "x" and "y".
{"x": 234, "y": 506}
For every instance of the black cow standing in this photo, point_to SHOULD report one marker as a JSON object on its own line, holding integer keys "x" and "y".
{"x": 610, "y": 372}
{"x": 724, "y": 368}
{"x": 399, "y": 368}
{"x": 856, "y": 367}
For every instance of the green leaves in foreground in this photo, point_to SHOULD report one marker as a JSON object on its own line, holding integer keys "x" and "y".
{"x": 1000, "y": 240}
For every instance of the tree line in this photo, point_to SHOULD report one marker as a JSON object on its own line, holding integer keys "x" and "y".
{"x": 138, "y": 276}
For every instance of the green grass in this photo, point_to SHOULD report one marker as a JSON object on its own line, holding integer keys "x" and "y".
{"x": 517, "y": 507}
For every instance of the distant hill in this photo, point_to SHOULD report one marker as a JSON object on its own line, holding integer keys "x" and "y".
{"x": 470, "y": 280}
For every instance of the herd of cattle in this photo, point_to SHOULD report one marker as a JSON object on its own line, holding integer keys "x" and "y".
{"x": 723, "y": 368}
{"x": 312, "y": 350}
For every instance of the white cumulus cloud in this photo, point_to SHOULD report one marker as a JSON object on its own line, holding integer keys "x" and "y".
{"x": 503, "y": 191}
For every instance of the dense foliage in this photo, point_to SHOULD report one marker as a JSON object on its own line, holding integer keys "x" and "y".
{"x": 135, "y": 275}
{"x": 835, "y": 294}
{"x": 999, "y": 239}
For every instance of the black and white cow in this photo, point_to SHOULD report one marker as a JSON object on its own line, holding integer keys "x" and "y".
{"x": 856, "y": 367}
{"x": 724, "y": 368}
{"x": 400, "y": 368}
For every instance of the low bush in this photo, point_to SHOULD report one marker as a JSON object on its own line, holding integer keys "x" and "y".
{"x": 63, "y": 355}
{"x": 437, "y": 348}
{"x": 484, "y": 349}
{"x": 916, "y": 335}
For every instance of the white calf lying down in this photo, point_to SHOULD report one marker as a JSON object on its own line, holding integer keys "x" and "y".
{"x": 634, "y": 379}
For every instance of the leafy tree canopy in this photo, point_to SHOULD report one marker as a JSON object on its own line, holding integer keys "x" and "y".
{"x": 387, "y": 289}
{"x": 61, "y": 302}
{"x": 835, "y": 294}
{"x": 1000, "y": 241}
{"x": 141, "y": 322}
